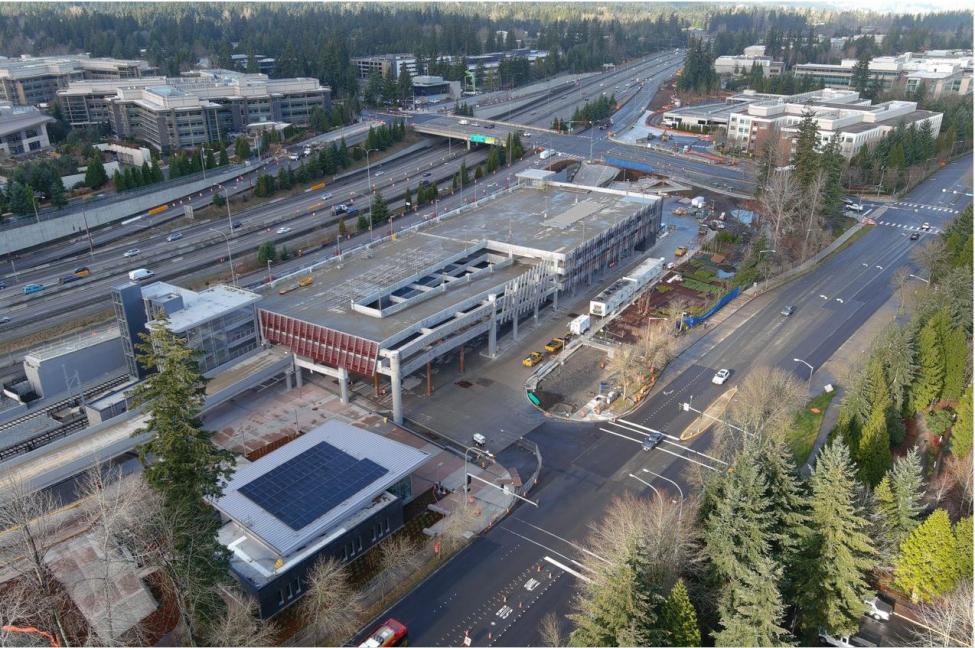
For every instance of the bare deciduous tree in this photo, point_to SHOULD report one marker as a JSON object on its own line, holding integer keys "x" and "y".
{"x": 931, "y": 255}
{"x": 550, "y": 631}
{"x": 32, "y": 529}
{"x": 240, "y": 625}
{"x": 815, "y": 195}
{"x": 676, "y": 308}
{"x": 767, "y": 401}
{"x": 947, "y": 620}
{"x": 458, "y": 527}
{"x": 625, "y": 364}
{"x": 778, "y": 202}
{"x": 331, "y": 606}
{"x": 655, "y": 346}
{"x": 399, "y": 557}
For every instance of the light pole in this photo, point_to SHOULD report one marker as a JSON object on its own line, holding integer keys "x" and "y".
{"x": 203, "y": 163}
{"x": 646, "y": 483}
{"x": 760, "y": 252}
{"x": 230, "y": 222}
{"x": 920, "y": 278}
{"x": 269, "y": 272}
{"x": 91, "y": 245}
{"x": 368, "y": 168}
{"x": 592, "y": 132}
{"x": 680, "y": 511}
{"x": 811, "y": 368}
{"x": 230, "y": 256}
{"x": 467, "y": 451}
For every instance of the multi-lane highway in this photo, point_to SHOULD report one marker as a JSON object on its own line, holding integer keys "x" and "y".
{"x": 497, "y": 589}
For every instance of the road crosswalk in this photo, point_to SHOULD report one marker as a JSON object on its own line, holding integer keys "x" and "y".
{"x": 911, "y": 228}
{"x": 947, "y": 210}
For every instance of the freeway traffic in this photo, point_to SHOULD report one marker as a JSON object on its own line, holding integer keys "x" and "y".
{"x": 498, "y": 589}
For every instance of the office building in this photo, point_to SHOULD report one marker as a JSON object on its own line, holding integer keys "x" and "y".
{"x": 203, "y": 106}
{"x": 265, "y": 64}
{"x": 394, "y": 309}
{"x": 333, "y": 492}
{"x": 949, "y": 72}
{"x": 739, "y": 65}
{"x": 31, "y": 80}
{"x": 384, "y": 65}
{"x": 432, "y": 88}
{"x": 23, "y": 129}
{"x": 842, "y": 113}
{"x": 219, "y": 323}
{"x": 68, "y": 365}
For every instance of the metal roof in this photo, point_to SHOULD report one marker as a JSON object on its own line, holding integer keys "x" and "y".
{"x": 398, "y": 460}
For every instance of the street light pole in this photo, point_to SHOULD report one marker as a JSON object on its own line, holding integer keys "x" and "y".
{"x": 269, "y": 272}
{"x": 203, "y": 163}
{"x": 680, "y": 511}
{"x": 646, "y": 483}
{"x": 688, "y": 408}
{"x": 920, "y": 278}
{"x": 467, "y": 451}
{"x": 369, "y": 168}
{"x": 811, "y": 368}
{"x": 230, "y": 256}
{"x": 760, "y": 252}
{"x": 91, "y": 245}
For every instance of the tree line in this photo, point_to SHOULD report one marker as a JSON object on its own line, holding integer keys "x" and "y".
{"x": 698, "y": 73}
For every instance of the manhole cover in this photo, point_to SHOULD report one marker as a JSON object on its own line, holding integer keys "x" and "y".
{"x": 463, "y": 383}
{"x": 485, "y": 382}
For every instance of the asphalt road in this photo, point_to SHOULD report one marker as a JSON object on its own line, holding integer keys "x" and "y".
{"x": 201, "y": 244}
{"x": 487, "y": 590}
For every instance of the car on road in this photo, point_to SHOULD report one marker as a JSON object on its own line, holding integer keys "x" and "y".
{"x": 390, "y": 633}
{"x": 327, "y": 196}
{"x": 479, "y": 439}
{"x": 721, "y": 376}
{"x": 877, "y": 608}
{"x": 3, "y": 284}
{"x": 532, "y": 359}
{"x": 652, "y": 441}
{"x": 915, "y": 236}
{"x": 681, "y": 250}
{"x": 32, "y": 288}
{"x": 284, "y": 230}
{"x": 377, "y": 173}
{"x": 427, "y": 174}
{"x": 788, "y": 310}
{"x": 555, "y": 344}
{"x": 4, "y": 320}
{"x": 68, "y": 279}
{"x": 526, "y": 134}
{"x": 132, "y": 252}
{"x": 235, "y": 225}
{"x": 925, "y": 226}
{"x": 844, "y": 641}
{"x": 175, "y": 236}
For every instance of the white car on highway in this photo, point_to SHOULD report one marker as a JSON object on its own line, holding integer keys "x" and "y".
{"x": 284, "y": 230}
{"x": 131, "y": 253}
{"x": 326, "y": 196}
{"x": 721, "y": 376}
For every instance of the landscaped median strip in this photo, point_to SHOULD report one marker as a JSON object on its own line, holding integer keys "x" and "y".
{"x": 703, "y": 422}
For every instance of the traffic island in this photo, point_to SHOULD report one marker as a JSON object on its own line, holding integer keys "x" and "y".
{"x": 710, "y": 417}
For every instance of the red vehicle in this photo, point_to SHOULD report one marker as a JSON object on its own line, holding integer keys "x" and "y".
{"x": 390, "y": 633}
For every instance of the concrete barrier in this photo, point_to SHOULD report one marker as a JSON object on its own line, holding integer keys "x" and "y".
{"x": 35, "y": 234}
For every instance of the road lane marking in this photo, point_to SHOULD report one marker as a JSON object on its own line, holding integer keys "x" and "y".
{"x": 567, "y": 570}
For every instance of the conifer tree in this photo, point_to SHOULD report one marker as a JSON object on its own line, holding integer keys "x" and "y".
{"x": 679, "y": 618}
{"x": 957, "y": 354}
{"x": 786, "y": 505}
{"x": 378, "y": 211}
{"x": 961, "y": 431}
{"x": 182, "y": 463}
{"x": 963, "y": 544}
{"x": 928, "y": 564}
{"x": 95, "y": 175}
{"x": 806, "y": 156}
{"x": 931, "y": 365}
{"x": 873, "y": 454}
{"x": 838, "y": 551}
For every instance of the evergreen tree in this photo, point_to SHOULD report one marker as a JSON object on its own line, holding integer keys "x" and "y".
{"x": 786, "y": 506}
{"x": 899, "y": 499}
{"x": 963, "y": 545}
{"x": 343, "y": 230}
{"x": 957, "y": 355}
{"x": 806, "y": 157}
{"x": 266, "y": 252}
{"x": 838, "y": 551}
{"x": 961, "y": 431}
{"x": 679, "y": 618}
{"x": 873, "y": 451}
{"x": 119, "y": 181}
{"x": 860, "y": 77}
{"x": 753, "y": 615}
{"x": 378, "y": 211}
{"x": 21, "y": 198}
{"x": 928, "y": 564}
{"x": 182, "y": 463}
{"x": 58, "y": 198}
{"x": 224, "y": 159}
{"x": 242, "y": 148}
{"x": 362, "y": 223}
{"x": 931, "y": 365}
{"x": 95, "y": 175}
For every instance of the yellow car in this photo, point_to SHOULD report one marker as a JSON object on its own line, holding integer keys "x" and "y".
{"x": 681, "y": 250}
{"x": 555, "y": 344}
{"x": 532, "y": 359}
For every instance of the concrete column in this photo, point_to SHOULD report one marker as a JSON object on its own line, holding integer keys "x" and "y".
{"x": 514, "y": 327}
{"x": 429, "y": 378}
{"x": 396, "y": 385}
{"x": 299, "y": 379}
{"x": 462, "y": 358}
{"x": 344, "y": 385}
{"x": 493, "y": 337}
{"x": 555, "y": 299}
{"x": 289, "y": 379}
{"x": 535, "y": 314}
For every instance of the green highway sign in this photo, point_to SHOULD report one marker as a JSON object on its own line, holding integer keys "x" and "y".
{"x": 484, "y": 139}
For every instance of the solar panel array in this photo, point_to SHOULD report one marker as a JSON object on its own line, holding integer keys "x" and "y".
{"x": 311, "y": 484}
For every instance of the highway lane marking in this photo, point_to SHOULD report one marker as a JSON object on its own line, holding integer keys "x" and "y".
{"x": 547, "y": 548}
{"x": 567, "y": 569}
{"x": 558, "y": 537}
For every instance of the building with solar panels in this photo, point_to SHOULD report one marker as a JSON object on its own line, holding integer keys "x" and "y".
{"x": 393, "y": 308}
{"x": 332, "y": 493}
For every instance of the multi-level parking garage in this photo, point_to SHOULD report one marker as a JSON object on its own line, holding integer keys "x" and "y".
{"x": 396, "y": 306}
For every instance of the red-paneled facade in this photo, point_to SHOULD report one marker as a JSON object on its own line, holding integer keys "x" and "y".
{"x": 321, "y": 344}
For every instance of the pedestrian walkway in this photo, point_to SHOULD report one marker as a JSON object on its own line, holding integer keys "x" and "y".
{"x": 911, "y": 228}
{"x": 935, "y": 208}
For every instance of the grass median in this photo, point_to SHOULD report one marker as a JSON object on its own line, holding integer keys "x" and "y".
{"x": 802, "y": 436}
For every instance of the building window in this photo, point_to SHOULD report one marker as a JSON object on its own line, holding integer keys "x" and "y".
{"x": 358, "y": 541}
{"x": 291, "y": 591}
{"x": 298, "y": 586}
{"x": 280, "y": 598}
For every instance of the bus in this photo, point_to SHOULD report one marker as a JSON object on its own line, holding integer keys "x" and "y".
{"x": 390, "y": 633}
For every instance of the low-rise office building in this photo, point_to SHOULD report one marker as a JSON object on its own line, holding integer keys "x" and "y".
{"x": 31, "y": 80}
{"x": 737, "y": 65}
{"x": 219, "y": 323}
{"x": 333, "y": 492}
{"x": 855, "y": 121}
{"x": 947, "y": 72}
{"x": 204, "y": 106}
{"x": 393, "y": 309}
{"x": 384, "y": 65}
{"x": 265, "y": 64}
{"x": 23, "y": 129}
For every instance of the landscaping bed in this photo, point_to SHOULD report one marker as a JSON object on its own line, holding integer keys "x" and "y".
{"x": 802, "y": 436}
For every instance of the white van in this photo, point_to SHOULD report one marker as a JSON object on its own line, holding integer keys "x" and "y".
{"x": 139, "y": 274}
{"x": 546, "y": 154}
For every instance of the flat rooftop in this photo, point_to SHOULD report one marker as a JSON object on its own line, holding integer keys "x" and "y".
{"x": 72, "y": 344}
{"x": 310, "y": 486}
{"x": 200, "y": 307}
{"x": 531, "y": 223}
